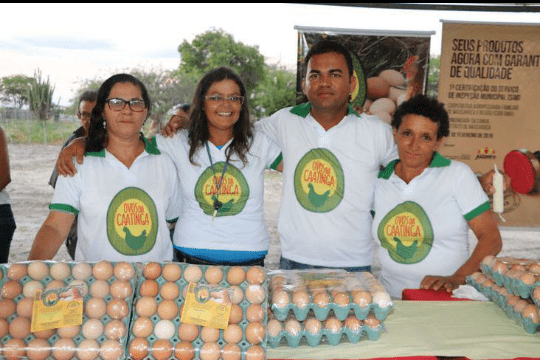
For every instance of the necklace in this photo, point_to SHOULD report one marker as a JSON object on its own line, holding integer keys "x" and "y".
{"x": 217, "y": 203}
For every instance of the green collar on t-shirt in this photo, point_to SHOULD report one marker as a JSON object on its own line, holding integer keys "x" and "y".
{"x": 438, "y": 161}
{"x": 150, "y": 146}
{"x": 303, "y": 110}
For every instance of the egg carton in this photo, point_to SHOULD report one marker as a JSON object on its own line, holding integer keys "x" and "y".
{"x": 197, "y": 344}
{"x": 325, "y": 336}
{"x": 334, "y": 283}
{"x": 105, "y": 319}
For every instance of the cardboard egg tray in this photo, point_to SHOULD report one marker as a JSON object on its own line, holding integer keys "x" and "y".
{"x": 105, "y": 319}
{"x": 198, "y": 344}
{"x": 324, "y": 335}
{"x": 501, "y": 300}
{"x": 329, "y": 282}
{"x": 513, "y": 283}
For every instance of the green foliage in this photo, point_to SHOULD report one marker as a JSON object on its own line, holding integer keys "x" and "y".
{"x": 215, "y": 48}
{"x": 86, "y": 85}
{"x": 40, "y": 96}
{"x": 14, "y": 89}
{"x": 38, "y": 132}
{"x": 275, "y": 92}
{"x": 433, "y": 76}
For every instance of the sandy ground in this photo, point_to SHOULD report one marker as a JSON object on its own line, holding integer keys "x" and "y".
{"x": 31, "y": 166}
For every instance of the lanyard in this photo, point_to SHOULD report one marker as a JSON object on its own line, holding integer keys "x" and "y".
{"x": 217, "y": 203}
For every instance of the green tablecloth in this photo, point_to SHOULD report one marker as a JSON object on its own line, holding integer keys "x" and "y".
{"x": 477, "y": 330}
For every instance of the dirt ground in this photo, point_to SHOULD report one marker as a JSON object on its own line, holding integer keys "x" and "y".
{"x": 31, "y": 167}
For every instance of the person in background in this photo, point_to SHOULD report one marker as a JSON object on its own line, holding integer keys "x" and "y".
{"x": 181, "y": 114}
{"x": 425, "y": 204}
{"x": 7, "y": 220}
{"x": 122, "y": 210}
{"x": 87, "y": 101}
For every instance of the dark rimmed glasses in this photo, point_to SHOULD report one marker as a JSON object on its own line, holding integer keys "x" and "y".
{"x": 117, "y": 104}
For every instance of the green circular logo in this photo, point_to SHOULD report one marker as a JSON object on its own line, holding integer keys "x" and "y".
{"x": 232, "y": 191}
{"x": 319, "y": 183}
{"x": 132, "y": 222}
{"x": 359, "y": 95}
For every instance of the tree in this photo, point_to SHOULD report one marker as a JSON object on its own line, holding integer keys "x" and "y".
{"x": 40, "y": 95}
{"x": 14, "y": 89}
{"x": 215, "y": 48}
{"x": 433, "y": 76}
{"x": 276, "y": 91}
{"x": 85, "y": 85}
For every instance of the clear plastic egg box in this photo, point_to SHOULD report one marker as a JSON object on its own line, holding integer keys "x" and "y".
{"x": 328, "y": 281}
{"x": 243, "y": 344}
{"x": 500, "y": 300}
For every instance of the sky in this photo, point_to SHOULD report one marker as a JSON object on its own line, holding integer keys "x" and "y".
{"x": 73, "y": 42}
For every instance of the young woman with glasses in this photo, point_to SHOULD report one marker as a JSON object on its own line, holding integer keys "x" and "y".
{"x": 122, "y": 211}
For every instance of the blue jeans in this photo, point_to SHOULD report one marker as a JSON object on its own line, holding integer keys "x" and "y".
{"x": 286, "y": 264}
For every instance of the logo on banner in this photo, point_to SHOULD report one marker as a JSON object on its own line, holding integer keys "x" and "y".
{"x": 485, "y": 153}
{"x": 318, "y": 181}
{"x": 406, "y": 233}
{"x": 132, "y": 222}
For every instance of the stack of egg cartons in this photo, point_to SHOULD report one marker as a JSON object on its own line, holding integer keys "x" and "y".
{"x": 514, "y": 285}
{"x": 325, "y": 307}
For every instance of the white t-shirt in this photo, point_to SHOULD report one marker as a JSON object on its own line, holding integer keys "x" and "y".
{"x": 122, "y": 211}
{"x": 423, "y": 226}
{"x": 239, "y": 225}
{"x": 328, "y": 183}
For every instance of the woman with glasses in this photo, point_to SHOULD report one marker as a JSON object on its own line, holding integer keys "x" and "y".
{"x": 221, "y": 164}
{"x": 121, "y": 210}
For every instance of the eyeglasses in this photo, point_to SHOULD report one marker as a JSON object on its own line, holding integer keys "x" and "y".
{"x": 117, "y": 104}
{"x": 216, "y": 99}
{"x": 84, "y": 115}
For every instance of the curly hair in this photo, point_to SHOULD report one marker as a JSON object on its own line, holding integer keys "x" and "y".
{"x": 424, "y": 106}
{"x": 198, "y": 122}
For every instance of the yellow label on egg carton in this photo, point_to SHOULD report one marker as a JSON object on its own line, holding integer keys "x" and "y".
{"x": 57, "y": 308}
{"x": 207, "y": 306}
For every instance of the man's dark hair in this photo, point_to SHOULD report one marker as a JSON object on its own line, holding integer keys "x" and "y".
{"x": 88, "y": 95}
{"x": 329, "y": 46}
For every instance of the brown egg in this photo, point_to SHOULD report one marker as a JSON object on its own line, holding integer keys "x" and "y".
{"x": 14, "y": 349}
{"x": 274, "y": 327}
{"x": 233, "y": 334}
{"x": 82, "y": 285}
{"x": 139, "y": 348}
{"x": 313, "y": 326}
{"x": 55, "y": 284}
{"x": 255, "y": 313}
{"x": 534, "y": 268}
{"x": 210, "y": 351}
{"x": 321, "y": 299}
{"x": 60, "y": 271}
{"x": 293, "y": 327}
{"x": 528, "y": 278}
{"x": 255, "y": 294}
{"x": 512, "y": 299}
{"x": 255, "y": 275}
{"x": 188, "y": 332}
{"x": 255, "y": 332}
{"x": 38, "y": 270}
{"x": 121, "y": 289}
{"x": 146, "y": 306}
{"x": 167, "y": 309}
{"x": 213, "y": 274}
{"x": 95, "y": 308}
{"x": 171, "y": 272}
{"x": 45, "y": 334}
{"x": 333, "y": 325}
{"x": 38, "y": 349}
{"x": 231, "y": 352}
{"x": 382, "y": 298}
{"x": 255, "y": 352}
{"x": 236, "y": 275}
{"x": 143, "y": 327}
{"x": 81, "y": 271}
{"x": 184, "y": 351}
{"x": 280, "y": 299}
{"x": 500, "y": 267}
{"x": 362, "y": 298}
{"x": 88, "y": 349}
{"x": 92, "y": 328}
{"x": 372, "y": 321}
{"x": 193, "y": 273}
{"x": 64, "y": 349}
{"x": 353, "y": 324}
{"x": 69, "y": 331}
{"x": 115, "y": 330}
{"x": 152, "y": 271}
{"x": 19, "y": 327}
{"x": 103, "y": 270}
{"x": 11, "y": 289}
{"x": 111, "y": 350}
{"x": 209, "y": 334}
{"x": 162, "y": 349}
{"x": 377, "y": 87}
{"x": 341, "y": 298}
{"x": 124, "y": 271}
{"x": 518, "y": 267}
{"x": 520, "y": 305}
{"x": 4, "y": 328}
{"x": 149, "y": 288}
{"x": 8, "y": 307}
{"x": 236, "y": 314}
{"x": 236, "y": 294}
{"x": 300, "y": 298}
{"x": 536, "y": 293}
{"x": 531, "y": 311}
{"x": 117, "y": 308}
{"x": 169, "y": 291}
{"x": 17, "y": 271}
{"x": 99, "y": 289}
{"x": 31, "y": 287}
